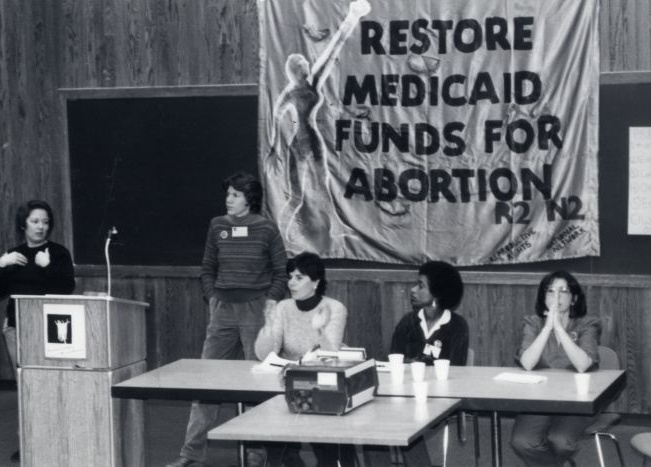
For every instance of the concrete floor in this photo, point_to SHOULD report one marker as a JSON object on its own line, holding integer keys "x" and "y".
{"x": 166, "y": 420}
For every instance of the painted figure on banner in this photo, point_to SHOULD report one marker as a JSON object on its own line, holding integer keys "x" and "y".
{"x": 309, "y": 216}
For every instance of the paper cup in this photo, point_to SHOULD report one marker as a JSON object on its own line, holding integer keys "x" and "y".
{"x": 396, "y": 358}
{"x": 397, "y": 372}
{"x": 582, "y": 383}
{"x": 420, "y": 391}
{"x": 417, "y": 371}
{"x": 441, "y": 369}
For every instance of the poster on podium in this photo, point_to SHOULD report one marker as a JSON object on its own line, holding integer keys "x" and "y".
{"x": 64, "y": 329}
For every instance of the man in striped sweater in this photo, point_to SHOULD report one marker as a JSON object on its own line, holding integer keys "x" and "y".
{"x": 243, "y": 276}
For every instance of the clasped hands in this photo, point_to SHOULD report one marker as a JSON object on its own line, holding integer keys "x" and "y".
{"x": 554, "y": 321}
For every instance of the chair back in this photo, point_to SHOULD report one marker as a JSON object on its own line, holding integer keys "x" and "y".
{"x": 470, "y": 359}
{"x": 608, "y": 359}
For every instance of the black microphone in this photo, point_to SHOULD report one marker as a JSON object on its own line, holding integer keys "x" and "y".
{"x": 111, "y": 232}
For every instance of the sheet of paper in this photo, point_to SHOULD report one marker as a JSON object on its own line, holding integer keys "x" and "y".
{"x": 525, "y": 378}
{"x": 272, "y": 364}
{"x": 639, "y": 181}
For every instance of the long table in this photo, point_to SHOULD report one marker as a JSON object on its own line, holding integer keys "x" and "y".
{"x": 234, "y": 381}
{"x": 384, "y": 421}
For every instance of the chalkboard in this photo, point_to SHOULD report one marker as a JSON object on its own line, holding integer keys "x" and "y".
{"x": 153, "y": 167}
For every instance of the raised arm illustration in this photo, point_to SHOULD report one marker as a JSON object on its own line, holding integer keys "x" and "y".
{"x": 303, "y": 161}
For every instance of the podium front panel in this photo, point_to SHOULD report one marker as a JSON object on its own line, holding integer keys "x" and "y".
{"x": 68, "y": 417}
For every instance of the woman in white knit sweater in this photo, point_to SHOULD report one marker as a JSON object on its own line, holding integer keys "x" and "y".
{"x": 297, "y": 325}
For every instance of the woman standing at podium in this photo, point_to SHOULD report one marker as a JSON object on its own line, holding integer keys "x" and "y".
{"x": 559, "y": 335}
{"x": 242, "y": 274}
{"x": 37, "y": 266}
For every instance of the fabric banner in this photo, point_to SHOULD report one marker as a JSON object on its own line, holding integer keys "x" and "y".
{"x": 460, "y": 130}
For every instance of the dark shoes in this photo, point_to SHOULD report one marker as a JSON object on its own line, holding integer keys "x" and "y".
{"x": 15, "y": 457}
{"x": 183, "y": 462}
{"x": 254, "y": 458}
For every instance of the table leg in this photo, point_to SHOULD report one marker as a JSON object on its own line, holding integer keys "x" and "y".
{"x": 241, "y": 455}
{"x": 275, "y": 454}
{"x": 347, "y": 456}
{"x": 378, "y": 456}
{"x": 496, "y": 439}
{"x": 415, "y": 455}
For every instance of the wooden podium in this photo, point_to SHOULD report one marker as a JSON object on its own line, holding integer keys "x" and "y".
{"x": 71, "y": 350}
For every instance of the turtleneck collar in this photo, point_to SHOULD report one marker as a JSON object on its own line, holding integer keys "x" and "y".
{"x": 242, "y": 220}
{"x": 309, "y": 303}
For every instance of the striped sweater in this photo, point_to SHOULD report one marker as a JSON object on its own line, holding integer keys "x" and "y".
{"x": 244, "y": 257}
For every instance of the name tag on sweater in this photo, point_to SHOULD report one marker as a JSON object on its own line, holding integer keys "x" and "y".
{"x": 240, "y": 231}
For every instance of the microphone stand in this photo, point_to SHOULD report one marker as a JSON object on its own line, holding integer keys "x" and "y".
{"x": 112, "y": 231}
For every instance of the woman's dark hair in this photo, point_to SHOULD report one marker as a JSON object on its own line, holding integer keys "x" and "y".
{"x": 444, "y": 283}
{"x": 312, "y": 266}
{"x": 24, "y": 210}
{"x": 578, "y": 308}
{"x": 249, "y": 185}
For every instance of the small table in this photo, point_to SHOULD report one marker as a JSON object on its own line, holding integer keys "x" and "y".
{"x": 477, "y": 389}
{"x": 384, "y": 421}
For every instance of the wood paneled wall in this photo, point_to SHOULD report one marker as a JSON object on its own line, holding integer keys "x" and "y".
{"x": 48, "y": 45}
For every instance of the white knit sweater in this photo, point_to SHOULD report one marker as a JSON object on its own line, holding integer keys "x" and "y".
{"x": 291, "y": 332}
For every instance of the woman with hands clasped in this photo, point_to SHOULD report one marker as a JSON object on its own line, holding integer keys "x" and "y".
{"x": 559, "y": 335}
{"x": 36, "y": 267}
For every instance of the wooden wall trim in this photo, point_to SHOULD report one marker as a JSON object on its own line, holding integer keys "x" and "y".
{"x": 138, "y": 272}
{"x": 66, "y": 186}
{"x": 244, "y": 89}
{"x": 625, "y": 77}
{"x": 491, "y": 277}
{"x": 378, "y": 275}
